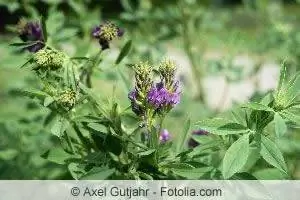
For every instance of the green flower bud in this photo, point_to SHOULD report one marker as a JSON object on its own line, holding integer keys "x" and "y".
{"x": 49, "y": 59}
{"x": 281, "y": 100}
{"x": 67, "y": 99}
{"x": 109, "y": 31}
{"x": 143, "y": 77}
{"x": 167, "y": 71}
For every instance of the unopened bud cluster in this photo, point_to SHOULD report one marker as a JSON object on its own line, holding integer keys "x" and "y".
{"x": 105, "y": 33}
{"x": 67, "y": 99}
{"x": 49, "y": 59}
{"x": 143, "y": 83}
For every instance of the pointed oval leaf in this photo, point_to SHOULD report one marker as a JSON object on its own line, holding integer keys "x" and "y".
{"x": 125, "y": 50}
{"x": 257, "y": 106}
{"x": 44, "y": 28}
{"x": 98, "y": 127}
{"x": 236, "y": 156}
{"x": 195, "y": 173}
{"x": 221, "y": 126}
{"x": 183, "y": 137}
{"x": 280, "y": 126}
{"x": 59, "y": 127}
{"x": 48, "y": 100}
{"x": 271, "y": 153}
{"x": 98, "y": 173}
{"x": 291, "y": 116}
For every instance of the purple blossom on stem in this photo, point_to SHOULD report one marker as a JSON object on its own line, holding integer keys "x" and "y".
{"x": 105, "y": 33}
{"x": 192, "y": 143}
{"x": 159, "y": 97}
{"x": 164, "y": 136}
{"x": 31, "y": 32}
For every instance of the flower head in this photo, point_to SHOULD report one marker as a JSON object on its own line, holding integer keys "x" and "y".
{"x": 31, "y": 32}
{"x": 49, "y": 59}
{"x": 143, "y": 83}
{"x": 105, "y": 33}
{"x": 161, "y": 98}
{"x": 164, "y": 136}
{"x": 192, "y": 143}
{"x": 67, "y": 99}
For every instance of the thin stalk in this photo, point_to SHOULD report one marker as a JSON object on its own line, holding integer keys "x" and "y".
{"x": 131, "y": 141}
{"x": 197, "y": 73}
{"x": 89, "y": 70}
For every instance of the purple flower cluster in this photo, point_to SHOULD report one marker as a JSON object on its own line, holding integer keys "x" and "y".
{"x": 31, "y": 32}
{"x": 160, "y": 97}
{"x": 192, "y": 143}
{"x": 105, "y": 33}
{"x": 164, "y": 136}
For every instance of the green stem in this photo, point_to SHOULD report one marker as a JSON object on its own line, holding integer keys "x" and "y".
{"x": 131, "y": 141}
{"x": 90, "y": 69}
{"x": 197, "y": 73}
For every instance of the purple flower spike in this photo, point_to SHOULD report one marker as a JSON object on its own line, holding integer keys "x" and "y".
{"x": 192, "y": 143}
{"x": 164, "y": 136}
{"x": 31, "y": 31}
{"x": 159, "y": 97}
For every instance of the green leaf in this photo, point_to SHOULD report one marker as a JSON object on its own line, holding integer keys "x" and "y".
{"x": 145, "y": 176}
{"x": 202, "y": 149}
{"x": 125, "y": 50}
{"x": 253, "y": 157}
{"x": 44, "y": 28}
{"x": 291, "y": 116}
{"x": 8, "y": 154}
{"x": 33, "y": 94}
{"x": 65, "y": 34}
{"x": 76, "y": 170}
{"x": 59, "y": 127}
{"x": 194, "y": 173}
{"x": 178, "y": 166}
{"x": 280, "y": 126}
{"x": 27, "y": 62}
{"x": 203, "y": 139}
{"x": 270, "y": 174}
{"x": 79, "y": 58}
{"x": 98, "y": 127}
{"x": 221, "y": 126}
{"x": 57, "y": 155}
{"x": 236, "y": 157}
{"x": 98, "y": 173}
{"x": 257, "y": 106}
{"x": 183, "y": 137}
{"x": 272, "y": 154}
{"x": 146, "y": 153}
{"x": 23, "y": 44}
{"x": 48, "y": 100}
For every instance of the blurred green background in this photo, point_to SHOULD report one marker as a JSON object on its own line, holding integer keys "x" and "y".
{"x": 227, "y": 52}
